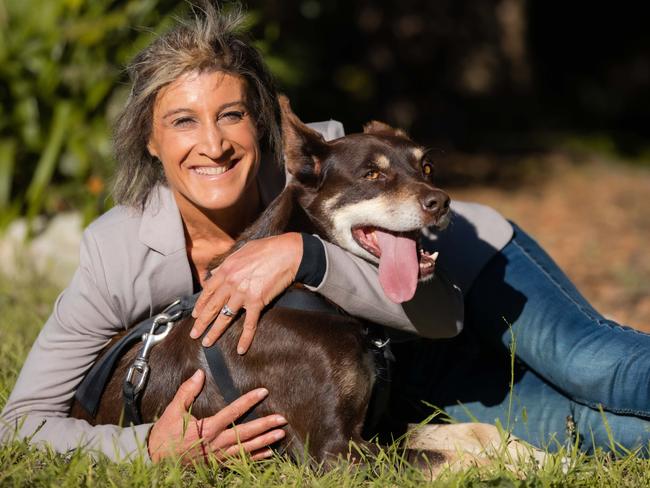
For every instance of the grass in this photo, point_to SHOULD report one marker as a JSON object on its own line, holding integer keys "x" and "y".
{"x": 26, "y": 302}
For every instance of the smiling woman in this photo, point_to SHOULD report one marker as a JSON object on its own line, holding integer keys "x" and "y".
{"x": 189, "y": 142}
{"x": 207, "y": 141}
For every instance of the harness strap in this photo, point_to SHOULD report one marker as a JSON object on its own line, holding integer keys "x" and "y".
{"x": 222, "y": 377}
{"x": 90, "y": 390}
{"x": 131, "y": 405}
{"x": 301, "y": 299}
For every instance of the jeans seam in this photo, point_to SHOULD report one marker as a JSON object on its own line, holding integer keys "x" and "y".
{"x": 599, "y": 320}
{"x": 619, "y": 411}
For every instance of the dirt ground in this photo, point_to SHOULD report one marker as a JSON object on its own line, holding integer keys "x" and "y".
{"x": 593, "y": 217}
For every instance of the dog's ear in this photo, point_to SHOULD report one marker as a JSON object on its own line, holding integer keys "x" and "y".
{"x": 379, "y": 128}
{"x": 304, "y": 148}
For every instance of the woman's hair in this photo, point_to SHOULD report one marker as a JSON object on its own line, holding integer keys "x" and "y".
{"x": 211, "y": 40}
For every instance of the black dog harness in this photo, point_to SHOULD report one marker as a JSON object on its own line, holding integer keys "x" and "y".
{"x": 155, "y": 329}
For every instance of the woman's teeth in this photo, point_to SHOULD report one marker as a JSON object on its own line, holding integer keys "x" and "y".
{"x": 211, "y": 170}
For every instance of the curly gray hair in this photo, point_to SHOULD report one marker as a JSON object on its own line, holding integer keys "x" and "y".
{"x": 212, "y": 39}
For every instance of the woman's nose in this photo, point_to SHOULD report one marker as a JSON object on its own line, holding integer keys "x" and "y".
{"x": 214, "y": 142}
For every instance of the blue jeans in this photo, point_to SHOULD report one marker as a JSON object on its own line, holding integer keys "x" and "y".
{"x": 571, "y": 364}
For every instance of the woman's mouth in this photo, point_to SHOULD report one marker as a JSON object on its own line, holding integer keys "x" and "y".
{"x": 214, "y": 170}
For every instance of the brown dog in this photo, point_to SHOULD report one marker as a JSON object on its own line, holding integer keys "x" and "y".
{"x": 369, "y": 193}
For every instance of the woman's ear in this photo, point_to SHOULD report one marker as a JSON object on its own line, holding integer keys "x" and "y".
{"x": 304, "y": 148}
{"x": 151, "y": 148}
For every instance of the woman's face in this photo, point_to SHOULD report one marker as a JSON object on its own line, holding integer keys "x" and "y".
{"x": 206, "y": 139}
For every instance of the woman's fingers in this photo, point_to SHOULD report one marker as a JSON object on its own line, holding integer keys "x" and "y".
{"x": 225, "y": 417}
{"x": 169, "y": 433}
{"x": 209, "y": 311}
{"x": 223, "y": 320}
{"x": 261, "y": 454}
{"x": 211, "y": 285}
{"x": 249, "y": 278}
{"x": 248, "y": 430}
{"x": 250, "y": 327}
{"x": 188, "y": 391}
{"x": 260, "y": 442}
{"x": 172, "y": 434}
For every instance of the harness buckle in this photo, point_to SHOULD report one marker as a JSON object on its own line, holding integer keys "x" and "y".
{"x": 141, "y": 368}
{"x": 138, "y": 373}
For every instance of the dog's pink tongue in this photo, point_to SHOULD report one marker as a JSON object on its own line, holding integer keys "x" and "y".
{"x": 398, "y": 266}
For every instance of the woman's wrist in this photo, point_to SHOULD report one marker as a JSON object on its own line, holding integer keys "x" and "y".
{"x": 313, "y": 263}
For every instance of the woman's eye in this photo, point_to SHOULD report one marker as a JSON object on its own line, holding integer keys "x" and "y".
{"x": 231, "y": 117}
{"x": 183, "y": 121}
{"x": 372, "y": 174}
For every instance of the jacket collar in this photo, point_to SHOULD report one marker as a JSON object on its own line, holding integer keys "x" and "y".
{"x": 161, "y": 227}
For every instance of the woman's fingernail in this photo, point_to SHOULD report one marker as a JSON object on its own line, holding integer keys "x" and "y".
{"x": 279, "y": 435}
{"x": 266, "y": 454}
{"x": 194, "y": 333}
{"x": 206, "y": 342}
{"x": 196, "y": 375}
{"x": 240, "y": 350}
{"x": 262, "y": 392}
{"x": 280, "y": 420}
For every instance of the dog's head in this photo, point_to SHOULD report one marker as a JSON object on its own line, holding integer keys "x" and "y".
{"x": 369, "y": 193}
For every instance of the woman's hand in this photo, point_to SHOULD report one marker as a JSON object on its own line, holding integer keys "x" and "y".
{"x": 249, "y": 278}
{"x": 177, "y": 433}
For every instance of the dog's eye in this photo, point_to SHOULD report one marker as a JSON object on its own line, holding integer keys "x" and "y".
{"x": 427, "y": 168}
{"x": 372, "y": 174}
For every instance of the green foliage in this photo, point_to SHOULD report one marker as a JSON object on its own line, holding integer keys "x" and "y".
{"x": 61, "y": 84}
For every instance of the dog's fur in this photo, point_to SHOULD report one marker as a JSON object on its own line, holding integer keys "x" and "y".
{"x": 316, "y": 366}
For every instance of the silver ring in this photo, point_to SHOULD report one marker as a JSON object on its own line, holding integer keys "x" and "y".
{"x": 227, "y": 311}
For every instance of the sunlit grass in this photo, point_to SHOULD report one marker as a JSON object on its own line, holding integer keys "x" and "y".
{"x": 26, "y": 302}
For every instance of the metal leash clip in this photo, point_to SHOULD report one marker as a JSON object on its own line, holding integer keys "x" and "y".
{"x": 140, "y": 366}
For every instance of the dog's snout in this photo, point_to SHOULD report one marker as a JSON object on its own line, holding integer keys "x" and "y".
{"x": 435, "y": 201}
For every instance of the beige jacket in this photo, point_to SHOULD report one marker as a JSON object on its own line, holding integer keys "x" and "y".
{"x": 132, "y": 264}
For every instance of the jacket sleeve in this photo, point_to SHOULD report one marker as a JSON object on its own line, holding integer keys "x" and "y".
{"x": 83, "y": 320}
{"x": 435, "y": 312}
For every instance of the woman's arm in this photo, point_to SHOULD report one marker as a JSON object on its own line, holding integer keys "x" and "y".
{"x": 260, "y": 270}
{"x": 82, "y": 322}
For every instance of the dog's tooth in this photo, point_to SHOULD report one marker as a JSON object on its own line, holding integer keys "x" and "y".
{"x": 434, "y": 256}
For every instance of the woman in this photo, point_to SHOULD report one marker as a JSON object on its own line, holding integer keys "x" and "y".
{"x": 191, "y": 176}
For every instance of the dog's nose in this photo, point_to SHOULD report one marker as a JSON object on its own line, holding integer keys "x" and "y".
{"x": 435, "y": 201}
